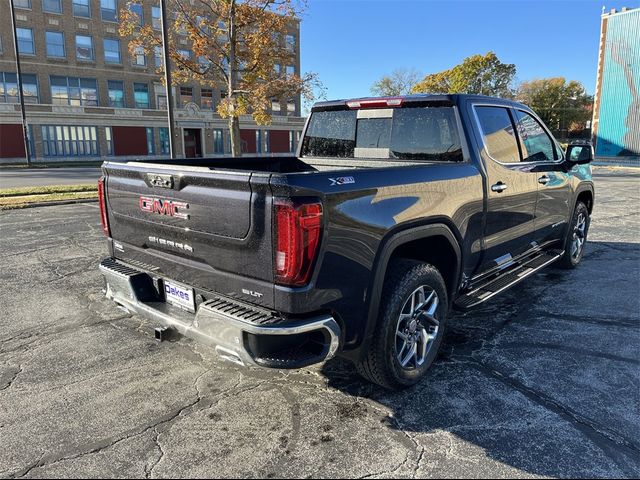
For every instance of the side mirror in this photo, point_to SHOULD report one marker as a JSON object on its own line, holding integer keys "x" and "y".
{"x": 579, "y": 154}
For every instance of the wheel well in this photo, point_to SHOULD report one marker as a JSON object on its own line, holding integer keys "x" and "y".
{"x": 435, "y": 250}
{"x": 587, "y": 198}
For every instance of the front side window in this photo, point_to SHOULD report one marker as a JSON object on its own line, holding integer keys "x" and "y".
{"x": 112, "y": 50}
{"x": 52, "y": 6}
{"x": 81, "y": 8}
{"x": 116, "y": 93}
{"x": 498, "y": 134}
{"x": 25, "y": 41}
{"x": 141, "y": 95}
{"x": 413, "y": 133}
{"x": 538, "y": 146}
{"x": 109, "y": 10}
{"x": 84, "y": 47}
{"x": 55, "y": 44}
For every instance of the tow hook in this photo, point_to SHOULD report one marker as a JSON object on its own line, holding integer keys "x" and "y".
{"x": 162, "y": 333}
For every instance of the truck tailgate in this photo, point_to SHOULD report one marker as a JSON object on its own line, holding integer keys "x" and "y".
{"x": 197, "y": 225}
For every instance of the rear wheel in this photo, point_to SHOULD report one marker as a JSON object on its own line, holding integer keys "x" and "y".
{"x": 576, "y": 237}
{"x": 410, "y": 327}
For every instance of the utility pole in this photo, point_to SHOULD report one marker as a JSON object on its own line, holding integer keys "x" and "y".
{"x": 167, "y": 76}
{"x": 25, "y": 126}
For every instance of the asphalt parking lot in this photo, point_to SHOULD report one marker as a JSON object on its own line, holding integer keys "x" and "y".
{"x": 544, "y": 381}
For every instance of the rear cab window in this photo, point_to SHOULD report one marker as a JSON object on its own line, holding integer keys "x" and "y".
{"x": 408, "y": 133}
{"x": 498, "y": 133}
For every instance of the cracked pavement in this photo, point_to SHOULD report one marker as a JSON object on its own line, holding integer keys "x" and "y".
{"x": 543, "y": 381}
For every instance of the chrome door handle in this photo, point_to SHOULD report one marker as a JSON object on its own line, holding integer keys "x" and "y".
{"x": 544, "y": 179}
{"x": 499, "y": 187}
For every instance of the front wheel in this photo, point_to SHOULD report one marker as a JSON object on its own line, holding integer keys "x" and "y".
{"x": 410, "y": 328}
{"x": 576, "y": 237}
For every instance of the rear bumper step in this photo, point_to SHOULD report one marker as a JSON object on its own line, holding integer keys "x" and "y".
{"x": 505, "y": 280}
{"x": 240, "y": 333}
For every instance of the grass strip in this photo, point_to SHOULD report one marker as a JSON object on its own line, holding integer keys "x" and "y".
{"x": 12, "y": 202}
{"x": 45, "y": 190}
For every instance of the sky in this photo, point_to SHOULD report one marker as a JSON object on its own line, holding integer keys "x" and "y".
{"x": 352, "y": 43}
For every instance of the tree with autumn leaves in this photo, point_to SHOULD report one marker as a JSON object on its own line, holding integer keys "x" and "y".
{"x": 239, "y": 44}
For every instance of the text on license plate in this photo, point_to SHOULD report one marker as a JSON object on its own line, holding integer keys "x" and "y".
{"x": 179, "y": 295}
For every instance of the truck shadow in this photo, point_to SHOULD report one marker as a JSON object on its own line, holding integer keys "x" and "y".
{"x": 528, "y": 380}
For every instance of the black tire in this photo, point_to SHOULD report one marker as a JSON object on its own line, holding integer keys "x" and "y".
{"x": 570, "y": 259}
{"x": 381, "y": 364}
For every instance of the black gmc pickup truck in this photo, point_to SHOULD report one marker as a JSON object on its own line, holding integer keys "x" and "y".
{"x": 393, "y": 211}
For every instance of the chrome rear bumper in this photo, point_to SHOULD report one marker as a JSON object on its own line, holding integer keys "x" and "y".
{"x": 232, "y": 328}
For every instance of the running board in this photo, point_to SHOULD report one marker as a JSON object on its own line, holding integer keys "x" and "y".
{"x": 505, "y": 280}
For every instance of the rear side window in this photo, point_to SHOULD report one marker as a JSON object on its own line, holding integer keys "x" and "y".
{"x": 538, "y": 146}
{"x": 412, "y": 133}
{"x": 498, "y": 134}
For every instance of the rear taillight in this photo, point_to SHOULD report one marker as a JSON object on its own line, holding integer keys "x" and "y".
{"x": 104, "y": 220}
{"x": 298, "y": 225}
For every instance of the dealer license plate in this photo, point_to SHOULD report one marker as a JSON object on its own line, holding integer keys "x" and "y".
{"x": 179, "y": 295}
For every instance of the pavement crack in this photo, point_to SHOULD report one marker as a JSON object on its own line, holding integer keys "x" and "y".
{"x": 13, "y": 374}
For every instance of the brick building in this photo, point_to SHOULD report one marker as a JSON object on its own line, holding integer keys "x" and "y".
{"x": 86, "y": 97}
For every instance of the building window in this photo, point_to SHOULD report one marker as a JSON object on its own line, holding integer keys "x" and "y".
{"x": 291, "y": 107}
{"x": 112, "y": 50}
{"x": 186, "y": 96}
{"x": 52, "y": 6}
{"x": 291, "y": 70}
{"x": 206, "y": 99}
{"x": 84, "y": 47}
{"x": 74, "y": 91}
{"x": 81, "y": 8}
{"x": 109, "y": 10}
{"x": 30, "y": 88}
{"x": 218, "y": 145}
{"x": 156, "y": 21}
{"x": 157, "y": 56}
{"x": 267, "y": 141}
{"x": 258, "y": 141}
{"x": 55, "y": 44}
{"x": 137, "y": 9}
{"x": 293, "y": 140}
{"x": 291, "y": 42}
{"x": 108, "y": 135}
{"x": 9, "y": 92}
{"x": 141, "y": 95}
{"x": 139, "y": 58}
{"x": 25, "y": 41}
{"x": 164, "y": 140}
{"x": 22, "y": 3}
{"x": 69, "y": 141}
{"x": 184, "y": 54}
{"x": 151, "y": 147}
{"x": 116, "y": 93}
{"x": 275, "y": 106}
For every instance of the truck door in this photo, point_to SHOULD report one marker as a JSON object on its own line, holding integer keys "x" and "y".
{"x": 552, "y": 207}
{"x": 511, "y": 188}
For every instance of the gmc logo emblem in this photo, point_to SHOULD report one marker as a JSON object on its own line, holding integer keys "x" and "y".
{"x": 164, "y": 207}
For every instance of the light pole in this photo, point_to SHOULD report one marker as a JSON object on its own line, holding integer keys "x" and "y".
{"x": 25, "y": 126}
{"x": 167, "y": 76}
